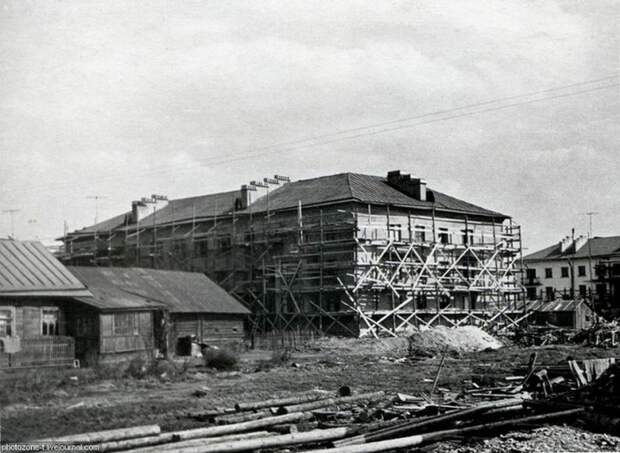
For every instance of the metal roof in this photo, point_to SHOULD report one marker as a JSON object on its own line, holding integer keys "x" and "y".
{"x": 179, "y": 292}
{"x": 29, "y": 269}
{"x": 361, "y": 188}
{"x": 559, "y": 305}
{"x": 340, "y": 187}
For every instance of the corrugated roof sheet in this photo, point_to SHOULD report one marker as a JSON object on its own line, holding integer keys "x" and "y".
{"x": 596, "y": 247}
{"x": 558, "y": 305}
{"x": 29, "y": 269}
{"x": 179, "y": 292}
{"x": 363, "y": 188}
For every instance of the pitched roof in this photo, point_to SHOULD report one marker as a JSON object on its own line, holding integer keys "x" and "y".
{"x": 313, "y": 191}
{"x": 361, "y": 188}
{"x": 108, "y": 292}
{"x": 106, "y": 225}
{"x": 29, "y": 269}
{"x": 179, "y": 292}
{"x": 199, "y": 206}
{"x": 595, "y": 247}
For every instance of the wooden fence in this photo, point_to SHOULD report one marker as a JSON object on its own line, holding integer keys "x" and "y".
{"x": 41, "y": 351}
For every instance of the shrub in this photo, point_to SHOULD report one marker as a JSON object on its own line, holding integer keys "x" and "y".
{"x": 220, "y": 359}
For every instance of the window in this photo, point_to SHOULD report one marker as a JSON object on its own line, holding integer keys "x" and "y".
{"x": 581, "y": 271}
{"x": 467, "y": 236}
{"x": 202, "y": 248}
{"x": 224, "y": 243}
{"x": 421, "y": 302}
{"x": 530, "y": 274}
{"x": 49, "y": 321}
{"x": 395, "y": 232}
{"x": 444, "y": 301}
{"x": 6, "y": 323}
{"x": 125, "y": 324}
{"x": 531, "y": 293}
{"x": 444, "y": 236}
{"x": 582, "y": 290}
{"x": 420, "y": 233}
{"x": 549, "y": 293}
{"x": 548, "y": 272}
{"x": 564, "y": 272}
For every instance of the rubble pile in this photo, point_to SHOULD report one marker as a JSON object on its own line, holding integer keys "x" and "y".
{"x": 601, "y": 335}
{"x": 430, "y": 342}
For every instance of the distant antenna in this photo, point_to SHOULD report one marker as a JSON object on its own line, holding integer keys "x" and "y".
{"x": 96, "y": 198}
{"x": 11, "y": 213}
{"x": 590, "y": 214}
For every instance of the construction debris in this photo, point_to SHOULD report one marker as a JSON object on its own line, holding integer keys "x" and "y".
{"x": 327, "y": 422}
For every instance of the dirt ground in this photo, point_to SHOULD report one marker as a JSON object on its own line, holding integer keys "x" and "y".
{"x": 79, "y": 402}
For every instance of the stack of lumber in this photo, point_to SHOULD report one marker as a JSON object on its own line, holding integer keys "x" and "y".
{"x": 335, "y": 422}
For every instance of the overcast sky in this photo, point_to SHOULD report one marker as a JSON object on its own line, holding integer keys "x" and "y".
{"x": 123, "y": 99}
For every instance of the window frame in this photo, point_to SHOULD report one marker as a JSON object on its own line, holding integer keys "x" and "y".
{"x": 11, "y": 324}
{"x": 548, "y": 272}
{"x": 581, "y": 270}
{"x": 56, "y": 324}
{"x": 134, "y": 328}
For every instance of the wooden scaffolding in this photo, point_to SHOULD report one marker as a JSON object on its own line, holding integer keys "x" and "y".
{"x": 342, "y": 270}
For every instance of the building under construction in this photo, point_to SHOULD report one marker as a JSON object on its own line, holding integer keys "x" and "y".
{"x": 347, "y": 254}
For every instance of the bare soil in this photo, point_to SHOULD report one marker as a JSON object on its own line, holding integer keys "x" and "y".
{"x": 75, "y": 402}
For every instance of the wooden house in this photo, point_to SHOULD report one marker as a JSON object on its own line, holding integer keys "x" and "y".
{"x": 36, "y": 295}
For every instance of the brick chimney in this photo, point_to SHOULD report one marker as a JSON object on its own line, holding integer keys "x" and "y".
{"x": 245, "y": 197}
{"x": 139, "y": 210}
{"x": 565, "y": 243}
{"x": 414, "y": 187}
{"x": 580, "y": 242}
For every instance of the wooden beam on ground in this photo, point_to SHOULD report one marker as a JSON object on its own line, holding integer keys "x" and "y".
{"x": 420, "y": 439}
{"x": 97, "y": 437}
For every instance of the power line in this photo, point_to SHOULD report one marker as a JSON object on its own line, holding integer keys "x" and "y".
{"x": 339, "y": 135}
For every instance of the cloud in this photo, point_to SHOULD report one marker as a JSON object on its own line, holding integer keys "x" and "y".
{"x": 121, "y": 99}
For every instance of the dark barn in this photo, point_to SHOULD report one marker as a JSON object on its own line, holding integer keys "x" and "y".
{"x": 160, "y": 309}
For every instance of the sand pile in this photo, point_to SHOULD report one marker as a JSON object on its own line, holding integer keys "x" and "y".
{"x": 458, "y": 340}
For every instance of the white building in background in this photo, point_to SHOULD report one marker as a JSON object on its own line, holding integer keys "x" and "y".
{"x": 587, "y": 268}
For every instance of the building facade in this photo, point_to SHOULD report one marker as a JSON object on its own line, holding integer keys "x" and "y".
{"x": 577, "y": 268}
{"x": 349, "y": 253}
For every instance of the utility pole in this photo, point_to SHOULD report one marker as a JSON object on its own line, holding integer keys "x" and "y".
{"x": 572, "y": 266}
{"x": 11, "y": 213}
{"x": 590, "y": 214}
{"x": 96, "y": 198}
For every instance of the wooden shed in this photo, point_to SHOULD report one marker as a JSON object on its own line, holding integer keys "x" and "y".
{"x": 36, "y": 294}
{"x": 182, "y": 304}
{"x": 571, "y": 313}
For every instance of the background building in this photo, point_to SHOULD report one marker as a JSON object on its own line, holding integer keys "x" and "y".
{"x": 577, "y": 268}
